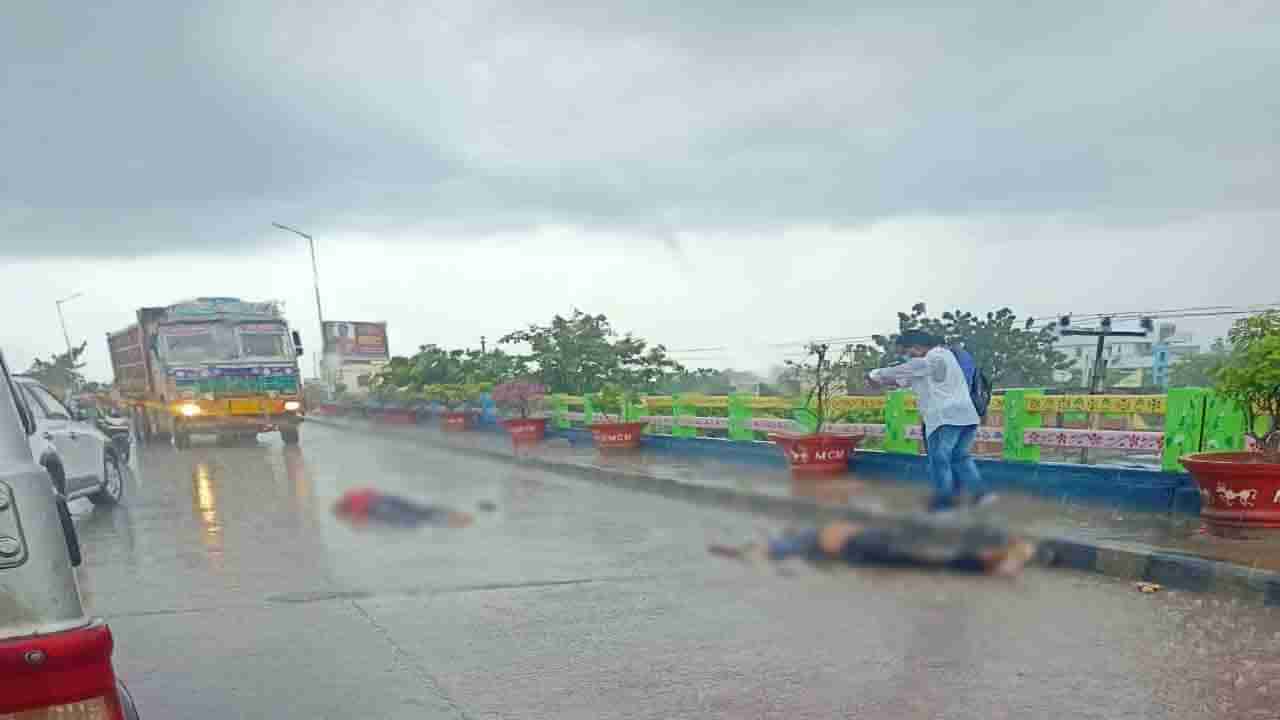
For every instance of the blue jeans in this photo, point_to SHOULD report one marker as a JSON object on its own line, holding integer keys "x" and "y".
{"x": 951, "y": 466}
{"x": 804, "y": 542}
{"x": 890, "y": 547}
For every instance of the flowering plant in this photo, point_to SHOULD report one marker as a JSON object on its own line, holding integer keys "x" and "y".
{"x": 519, "y": 397}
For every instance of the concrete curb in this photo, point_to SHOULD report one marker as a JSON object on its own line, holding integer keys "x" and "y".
{"x": 1172, "y": 569}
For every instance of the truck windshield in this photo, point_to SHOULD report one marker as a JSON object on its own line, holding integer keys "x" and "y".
{"x": 197, "y": 343}
{"x": 263, "y": 341}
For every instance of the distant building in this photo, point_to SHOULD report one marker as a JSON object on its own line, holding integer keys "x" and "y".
{"x": 353, "y": 353}
{"x": 1128, "y": 361}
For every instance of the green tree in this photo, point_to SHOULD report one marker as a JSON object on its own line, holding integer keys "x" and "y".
{"x": 582, "y": 353}
{"x": 862, "y": 359}
{"x": 1010, "y": 353}
{"x": 707, "y": 381}
{"x": 1200, "y": 369}
{"x": 434, "y": 365}
{"x": 1251, "y": 376}
{"x": 493, "y": 366}
{"x": 397, "y": 373}
{"x": 1255, "y": 327}
{"x": 61, "y": 372}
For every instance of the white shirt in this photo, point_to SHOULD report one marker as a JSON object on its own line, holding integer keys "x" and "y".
{"x": 938, "y": 382}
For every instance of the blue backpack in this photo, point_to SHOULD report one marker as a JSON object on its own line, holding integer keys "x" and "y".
{"x": 979, "y": 385}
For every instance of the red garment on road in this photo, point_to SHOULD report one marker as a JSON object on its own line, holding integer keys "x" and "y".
{"x": 366, "y": 505}
{"x": 356, "y": 503}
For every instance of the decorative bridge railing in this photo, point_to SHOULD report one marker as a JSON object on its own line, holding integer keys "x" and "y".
{"x": 1020, "y": 425}
{"x": 1023, "y": 425}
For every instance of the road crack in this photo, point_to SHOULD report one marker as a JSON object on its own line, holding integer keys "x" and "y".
{"x": 313, "y": 596}
{"x": 406, "y": 660}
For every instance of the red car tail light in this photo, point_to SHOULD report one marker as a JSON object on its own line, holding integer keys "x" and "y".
{"x": 65, "y": 675}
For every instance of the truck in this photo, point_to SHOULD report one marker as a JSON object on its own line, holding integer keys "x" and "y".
{"x": 210, "y": 365}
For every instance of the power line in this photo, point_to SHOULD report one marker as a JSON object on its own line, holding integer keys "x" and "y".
{"x": 1176, "y": 313}
{"x": 834, "y": 339}
{"x": 720, "y": 348}
{"x": 1180, "y": 313}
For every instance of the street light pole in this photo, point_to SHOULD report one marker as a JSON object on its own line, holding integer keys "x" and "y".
{"x": 66, "y": 338}
{"x": 315, "y": 279}
{"x": 63, "y": 321}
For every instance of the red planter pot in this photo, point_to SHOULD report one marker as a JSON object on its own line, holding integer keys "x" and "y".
{"x": 455, "y": 421}
{"x": 1239, "y": 491}
{"x": 526, "y": 431}
{"x": 395, "y": 416}
{"x": 616, "y": 436}
{"x": 821, "y": 453}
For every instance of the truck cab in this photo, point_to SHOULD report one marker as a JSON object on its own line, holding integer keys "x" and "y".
{"x": 217, "y": 366}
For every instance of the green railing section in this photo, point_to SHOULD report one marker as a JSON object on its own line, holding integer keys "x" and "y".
{"x": 684, "y": 411}
{"x": 900, "y": 413}
{"x": 740, "y": 418}
{"x": 1184, "y": 425}
{"x": 1018, "y": 418}
{"x": 1194, "y": 419}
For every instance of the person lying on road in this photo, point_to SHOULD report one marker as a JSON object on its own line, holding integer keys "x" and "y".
{"x": 887, "y": 546}
{"x": 366, "y": 505}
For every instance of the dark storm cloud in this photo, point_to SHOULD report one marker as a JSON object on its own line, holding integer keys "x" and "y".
{"x": 160, "y": 127}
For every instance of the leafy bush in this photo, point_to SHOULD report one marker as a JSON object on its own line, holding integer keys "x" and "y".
{"x": 455, "y": 396}
{"x": 826, "y": 378}
{"x": 1251, "y": 377}
{"x": 610, "y": 401}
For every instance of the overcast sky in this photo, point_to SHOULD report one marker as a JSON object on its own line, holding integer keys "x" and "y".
{"x": 707, "y": 174}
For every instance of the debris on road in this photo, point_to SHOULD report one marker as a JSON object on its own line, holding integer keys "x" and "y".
{"x": 1148, "y": 587}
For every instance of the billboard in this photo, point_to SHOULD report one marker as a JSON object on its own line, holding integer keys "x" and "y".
{"x": 357, "y": 341}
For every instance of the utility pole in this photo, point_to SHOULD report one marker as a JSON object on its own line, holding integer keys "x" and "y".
{"x": 1102, "y": 332}
{"x": 315, "y": 280}
{"x": 1099, "y": 371}
{"x": 482, "y": 346}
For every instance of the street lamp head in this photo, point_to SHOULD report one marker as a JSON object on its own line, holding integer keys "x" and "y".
{"x": 293, "y": 230}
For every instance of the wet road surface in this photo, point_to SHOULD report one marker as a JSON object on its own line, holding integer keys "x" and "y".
{"x": 234, "y": 593}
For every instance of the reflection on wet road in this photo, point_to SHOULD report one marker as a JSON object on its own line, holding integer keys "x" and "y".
{"x": 234, "y": 592}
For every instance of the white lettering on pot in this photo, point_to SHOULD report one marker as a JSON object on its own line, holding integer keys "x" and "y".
{"x": 1246, "y": 497}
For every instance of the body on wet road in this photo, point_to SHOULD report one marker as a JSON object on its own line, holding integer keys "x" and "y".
{"x": 235, "y": 592}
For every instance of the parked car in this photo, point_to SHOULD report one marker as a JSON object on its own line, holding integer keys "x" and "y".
{"x": 80, "y": 458}
{"x": 55, "y": 661}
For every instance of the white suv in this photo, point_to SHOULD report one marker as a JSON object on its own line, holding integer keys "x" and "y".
{"x": 55, "y": 660}
{"x": 78, "y": 456}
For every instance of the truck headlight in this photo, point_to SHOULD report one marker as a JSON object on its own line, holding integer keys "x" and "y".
{"x": 292, "y": 405}
{"x": 189, "y": 409}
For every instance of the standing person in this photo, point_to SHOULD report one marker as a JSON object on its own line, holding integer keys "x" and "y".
{"x": 950, "y": 418}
